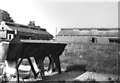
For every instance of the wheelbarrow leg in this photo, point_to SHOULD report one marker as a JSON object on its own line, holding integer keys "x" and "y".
{"x": 32, "y": 67}
{"x": 18, "y": 81}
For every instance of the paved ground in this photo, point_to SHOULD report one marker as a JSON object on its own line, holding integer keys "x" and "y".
{"x": 97, "y": 76}
{"x": 73, "y": 74}
{"x": 69, "y": 76}
{"x": 63, "y": 77}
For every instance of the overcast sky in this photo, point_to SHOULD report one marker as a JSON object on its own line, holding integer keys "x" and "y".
{"x": 52, "y": 14}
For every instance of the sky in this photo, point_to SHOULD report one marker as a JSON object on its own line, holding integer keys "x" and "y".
{"x": 56, "y": 14}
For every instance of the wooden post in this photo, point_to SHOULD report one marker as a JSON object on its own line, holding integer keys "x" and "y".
{"x": 18, "y": 81}
{"x": 19, "y": 62}
{"x": 32, "y": 67}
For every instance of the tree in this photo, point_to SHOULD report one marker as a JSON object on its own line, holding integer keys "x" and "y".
{"x": 6, "y": 17}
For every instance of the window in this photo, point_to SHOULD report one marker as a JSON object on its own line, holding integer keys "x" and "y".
{"x": 94, "y": 40}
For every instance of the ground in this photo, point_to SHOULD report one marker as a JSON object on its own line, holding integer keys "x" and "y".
{"x": 101, "y": 59}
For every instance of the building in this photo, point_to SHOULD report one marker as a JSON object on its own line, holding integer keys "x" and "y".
{"x": 89, "y": 35}
{"x": 9, "y": 29}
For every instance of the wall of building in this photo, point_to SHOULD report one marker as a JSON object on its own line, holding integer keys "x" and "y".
{"x": 85, "y": 39}
{"x": 2, "y": 34}
{"x": 73, "y": 38}
{"x": 100, "y": 35}
{"x": 3, "y": 49}
{"x": 10, "y": 36}
{"x": 103, "y": 40}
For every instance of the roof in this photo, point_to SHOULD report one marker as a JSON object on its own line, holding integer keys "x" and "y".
{"x": 90, "y": 29}
{"x": 88, "y": 33}
{"x": 65, "y": 32}
{"x": 111, "y": 33}
{"x": 25, "y": 26}
{"x": 27, "y": 29}
{"x": 43, "y": 41}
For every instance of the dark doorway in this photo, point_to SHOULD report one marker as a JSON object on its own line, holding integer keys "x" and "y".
{"x": 93, "y": 40}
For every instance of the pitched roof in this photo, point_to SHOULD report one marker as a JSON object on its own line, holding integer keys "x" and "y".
{"x": 27, "y": 29}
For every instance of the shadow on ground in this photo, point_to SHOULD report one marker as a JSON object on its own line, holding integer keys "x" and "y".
{"x": 71, "y": 73}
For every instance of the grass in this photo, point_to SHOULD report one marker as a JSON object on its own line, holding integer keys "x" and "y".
{"x": 96, "y": 57}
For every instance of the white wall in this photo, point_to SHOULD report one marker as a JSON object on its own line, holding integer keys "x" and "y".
{"x": 3, "y": 50}
{"x": 73, "y": 38}
{"x": 103, "y": 40}
{"x": 2, "y": 34}
{"x": 10, "y": 35}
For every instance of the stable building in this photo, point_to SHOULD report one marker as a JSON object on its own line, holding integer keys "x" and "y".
{"x": 89, "y": 35}
{"x": 9, "y": 29}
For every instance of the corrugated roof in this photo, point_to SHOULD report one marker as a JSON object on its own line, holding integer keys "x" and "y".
{"x": 89, "y": 33}
{"x": 90, "y": 29}
{"x": 111, "y": 33}
{"x": 25, "y": 26}
{"x": 29, "y": 30}
{"x": 65, "y": 32}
